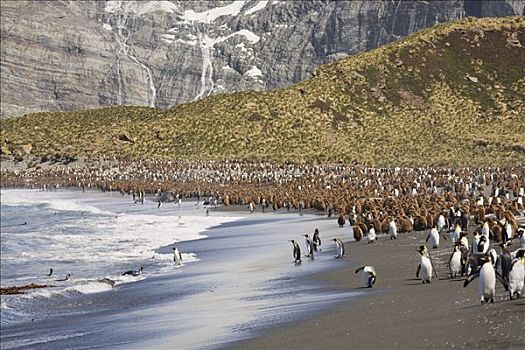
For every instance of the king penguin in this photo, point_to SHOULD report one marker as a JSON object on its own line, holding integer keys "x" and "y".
{"x": 392, "y": 229}
{"x": 487, "y": 280}
{"x": 424, "y": 269}
{"x": 369, "y": 275}
{"x": 177, "y": 256}
{"x": 433, "y": 238}
{"x": 371, "y": 236}
{"x": 483, "y": 245}
{"x": 454, "y": 263}
{"x": 296, "y": 252}
{"x": 517, "y": 274}
{"x": 340, "y": 248}
{"x": 309, "y": 246}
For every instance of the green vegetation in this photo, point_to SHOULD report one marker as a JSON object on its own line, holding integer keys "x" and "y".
{"x": 449, "y": 95}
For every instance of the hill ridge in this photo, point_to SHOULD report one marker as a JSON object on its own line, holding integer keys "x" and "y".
{"x": 428, "y": 99}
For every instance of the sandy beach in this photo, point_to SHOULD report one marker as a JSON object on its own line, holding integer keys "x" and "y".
{"x": 401, "y": 312}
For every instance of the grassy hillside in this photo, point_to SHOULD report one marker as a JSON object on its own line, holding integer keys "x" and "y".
{"x": 449, "y": 95}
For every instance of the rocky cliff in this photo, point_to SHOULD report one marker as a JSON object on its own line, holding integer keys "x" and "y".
{"x": 450, "y": 95}
{"x": 70, "y": 55}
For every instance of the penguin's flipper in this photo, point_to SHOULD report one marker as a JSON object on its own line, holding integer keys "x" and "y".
{"x": 428, "y": 237}
{"x": 470, "y": 278}
{"x": 359, "y": 269}
{"x": 500, "y": 278}
{"x": 417, "y": 271}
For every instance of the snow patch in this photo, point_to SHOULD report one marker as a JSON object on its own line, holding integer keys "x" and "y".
{"x": 140, "y": 7}
{"x": 250, "y": 36}
{"x": 254, "y": 72}
{"x": 211, "y": 15}
{"x": 260, "y": 5}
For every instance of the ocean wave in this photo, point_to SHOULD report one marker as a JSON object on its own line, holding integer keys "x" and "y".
{"x": 54, "y": 200}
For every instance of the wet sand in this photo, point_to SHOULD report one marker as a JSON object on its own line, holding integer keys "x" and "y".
{"x": 401, "y": 312}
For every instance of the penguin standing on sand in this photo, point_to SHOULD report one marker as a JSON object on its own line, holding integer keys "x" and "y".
{"x": 441, "y": 222}
{"x": 309, "y": 246}
{"x": 371, "y": 236}
{"x": 392, "y": 229}
{"x": 454, "y": 263}
{"x": 296, "y": 252}
{"x": 340, "y": 248}
{"x": 317, "y": 240}
{"x": 177, "y": 256}
{"x": 505, "y": 261}
{"x": 433, "y": 238}
{"x": 369, "y": 275}
{"x": 424, "y": 269}
{"x": 487, "y": 280}
{"x": 517, "y": 274}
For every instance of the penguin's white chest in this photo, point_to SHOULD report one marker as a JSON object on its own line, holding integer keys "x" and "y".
{"x": 455, "y": 263}
{"x": 434, "y": 237}
{"x": 516, "y": 277}
{"x": 487, "y": 281}
{"x": 426, "y": 269}
{"x": 371, "y": 234}
{"x": 393, "y": 230}
{"x": 441, "y": 222}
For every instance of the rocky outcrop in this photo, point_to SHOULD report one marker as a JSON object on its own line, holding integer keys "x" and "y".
{"x": 69, "y": 55}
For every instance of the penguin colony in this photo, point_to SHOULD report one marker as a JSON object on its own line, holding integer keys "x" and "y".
{"x": 485, "y": 240}
{"x": 374, "y": 201}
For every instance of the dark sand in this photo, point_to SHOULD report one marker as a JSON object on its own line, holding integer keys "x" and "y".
{"x": 401, "y": 312}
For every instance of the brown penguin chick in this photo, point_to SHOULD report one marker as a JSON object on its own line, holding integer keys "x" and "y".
{"x": 497, "y": 230}
{"x": 479, "y": 218}
{"x": 377, "y": 225}
{"x": 405, "y": 225}
{"x": 385, "y": 223}
{"x": 420, "y": 223}
{"x": 358, "y": 233}
{"x": 341, "y": 220}
{"x": 362, "y": 226}
{"x": 430, "y": 221}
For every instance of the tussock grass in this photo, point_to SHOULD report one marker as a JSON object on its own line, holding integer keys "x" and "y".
{"x": 409, "y": 103}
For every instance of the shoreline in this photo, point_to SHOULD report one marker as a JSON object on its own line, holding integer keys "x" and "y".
{"x": 400, "y": 312}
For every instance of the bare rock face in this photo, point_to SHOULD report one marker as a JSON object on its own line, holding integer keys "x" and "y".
{"x": 68, "y": 55}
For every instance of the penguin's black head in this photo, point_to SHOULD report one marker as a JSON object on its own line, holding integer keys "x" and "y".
{"x": 306, "y": 235}
{"x": 292, "y": 241}
{"x": 520, "y": 253}
{"x": 335, "y": 239}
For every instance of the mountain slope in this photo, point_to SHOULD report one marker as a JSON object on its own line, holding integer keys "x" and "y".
{"x": 453, "y": 94}
{"x": 71, "y": 55}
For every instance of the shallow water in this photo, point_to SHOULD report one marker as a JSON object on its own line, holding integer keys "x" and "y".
{"x": 237, "y": 274}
